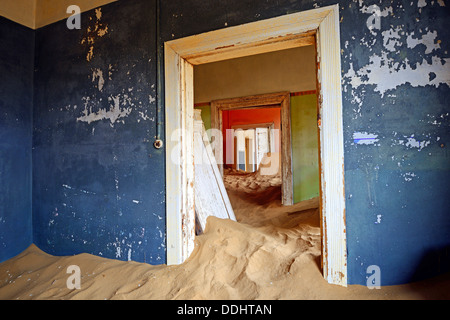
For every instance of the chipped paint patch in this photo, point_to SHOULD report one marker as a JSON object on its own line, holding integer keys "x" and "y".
{"x": 408, "y": 176}
{"x": 384, "y": 70}
{"x": 365, "y": 138}
{"x": 378, "y": 219}
{"x": 427, "y": 40}
{"x": 391, "y": 38}
{"x": 413, "y": 143}
{"x": 114, "y": 113}
{"x": 94, "y": 32}
{"x": 97, "y": 75}
{"x": 387, "y": 74}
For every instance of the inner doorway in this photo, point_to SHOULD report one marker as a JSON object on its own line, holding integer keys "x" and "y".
{"x": 249, "y": 143}
{"x": 280, "y": 161}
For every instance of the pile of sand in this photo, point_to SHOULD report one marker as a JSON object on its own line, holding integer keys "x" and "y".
{"x": 272, "y": 252}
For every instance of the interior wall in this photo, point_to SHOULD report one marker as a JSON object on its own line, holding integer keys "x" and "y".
{"x": 98, "y": 182}
{"x": 290, "y": 70}
{"x": 16, "y": 103}
{"x": 38, "y": 13}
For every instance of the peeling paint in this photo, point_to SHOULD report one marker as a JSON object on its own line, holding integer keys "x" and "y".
{"x": 408, "y": 176}
{"x": 114, "y": 113}
{"x": 385, "y": 71}
{"x": 378, "y": 219}
{"x": 387, "y": 74}
{"x": 421, "y": 3}
{"x": 413, "y": 143}
{"x": 428, "y": 40}
{"x": 97, "y": 74}
{"x": 93, "y": 32}
{"x": 72, "y": 188}
{"x": 365, "y": 138}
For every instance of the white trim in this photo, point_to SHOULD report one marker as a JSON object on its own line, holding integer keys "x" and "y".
{"x": 334, "y": 253}
{"x": 262, "y": 36}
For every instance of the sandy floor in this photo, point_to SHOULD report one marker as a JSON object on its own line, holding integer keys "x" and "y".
{"x": 273, "y": 252}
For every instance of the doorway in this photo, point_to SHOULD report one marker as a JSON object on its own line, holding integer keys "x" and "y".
{"x": 319, "y": 27}
{"x": 250, "y": 143}
{"x": 276, "y": 100}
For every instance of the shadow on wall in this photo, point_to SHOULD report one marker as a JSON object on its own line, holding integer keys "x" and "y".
{"x": 434, "y": 262}
{"x": 434, "y": 269}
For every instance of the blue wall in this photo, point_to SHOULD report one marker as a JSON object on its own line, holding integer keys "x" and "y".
{"x": 98, "y": 184}
{"x": 16, "y": 101}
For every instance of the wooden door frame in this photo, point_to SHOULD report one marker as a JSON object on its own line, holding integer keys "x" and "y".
{"x": 271, "y": 100}
{"x": 317, "y": 26}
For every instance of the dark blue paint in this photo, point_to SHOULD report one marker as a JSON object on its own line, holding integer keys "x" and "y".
{"x": 98, "y": 187}
{"x": 16, "y": 102}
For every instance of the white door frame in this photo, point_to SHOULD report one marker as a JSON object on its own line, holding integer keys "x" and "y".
{"x": 319, "y": 26}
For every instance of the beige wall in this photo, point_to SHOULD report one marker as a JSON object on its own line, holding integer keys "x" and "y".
{"x": 287, "y": 70}
{"x": 38, "y": 13}
{"x": 20, "y": 11}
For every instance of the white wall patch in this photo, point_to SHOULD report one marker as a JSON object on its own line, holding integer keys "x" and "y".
{"x": 113, "y": 114}
{"x": 413, "y": 143}
{"x": 365, "y": 138}
{"x": 428, "y": 39}
{"x": 97, "y": 75}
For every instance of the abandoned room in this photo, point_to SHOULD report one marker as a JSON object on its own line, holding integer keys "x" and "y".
{"x": 225, "y": 150}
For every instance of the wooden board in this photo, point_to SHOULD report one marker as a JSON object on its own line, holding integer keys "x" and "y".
{"x": 211, "y": 198}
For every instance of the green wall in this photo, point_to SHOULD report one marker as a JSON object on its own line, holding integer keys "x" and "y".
{"x": 305, "y": 156}
{"x": 206, "y": 115}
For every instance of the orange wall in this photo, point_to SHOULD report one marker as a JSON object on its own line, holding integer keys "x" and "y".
{"x": 248, "y": 116}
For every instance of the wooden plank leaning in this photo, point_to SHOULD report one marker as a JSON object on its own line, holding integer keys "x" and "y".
{"x": 211, "y": 198}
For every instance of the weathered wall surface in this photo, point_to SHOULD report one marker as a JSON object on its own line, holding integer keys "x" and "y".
{"x": 396, "y": 121}
{"x": 395, "y": 80}
{"x": 98, "y": 183}
{"x": 290, "y": 70}
{"x": 16, "y": 102}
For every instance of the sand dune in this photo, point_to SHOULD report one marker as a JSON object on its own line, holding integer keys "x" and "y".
{"x": 272, "y": 252}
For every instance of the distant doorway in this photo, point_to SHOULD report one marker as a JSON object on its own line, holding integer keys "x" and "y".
{"x": 250, "y": 143}
{"x": 282, "y": 160}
